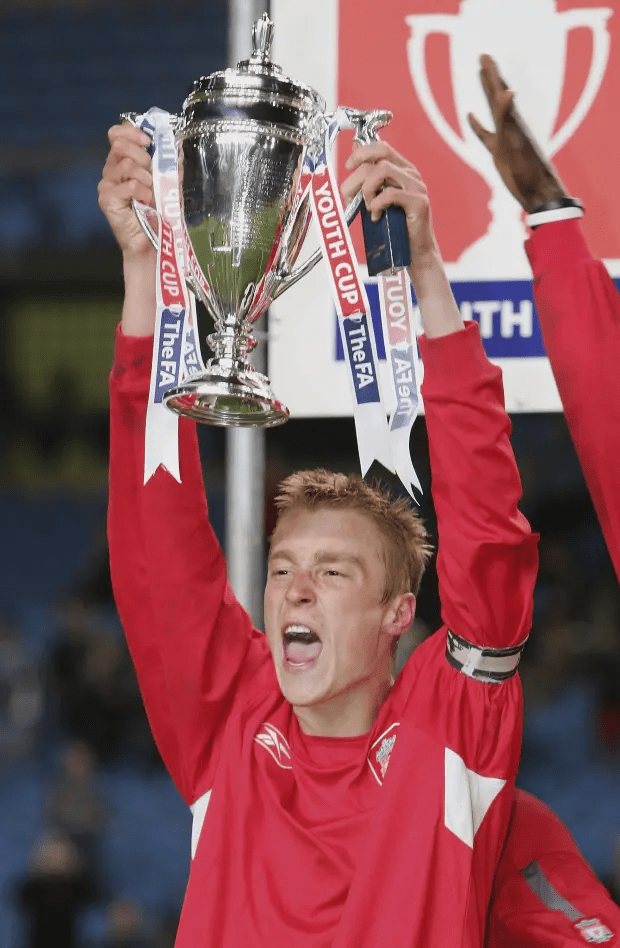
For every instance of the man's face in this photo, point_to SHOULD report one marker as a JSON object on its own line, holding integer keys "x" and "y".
{"x": 328, "y": 630}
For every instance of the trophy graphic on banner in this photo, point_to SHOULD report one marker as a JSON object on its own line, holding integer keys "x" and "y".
{"x": 528, "y": 39}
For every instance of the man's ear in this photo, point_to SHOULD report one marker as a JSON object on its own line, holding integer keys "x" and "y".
{"x": 399, "y": 614}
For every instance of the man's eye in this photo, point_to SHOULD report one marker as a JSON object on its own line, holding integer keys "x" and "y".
{"x": 334, "y": 572}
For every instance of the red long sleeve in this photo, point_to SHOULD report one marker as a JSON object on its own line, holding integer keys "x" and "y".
{"x": 188, "y": 636}
{"x": 487, "y": 557}
{"x": 579, "y": 311}
{"x": 545, "y": 893}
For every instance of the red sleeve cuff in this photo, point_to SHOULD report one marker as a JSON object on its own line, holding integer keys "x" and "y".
{"x": 452, "y": 359}
{"x": 553, "y": 245}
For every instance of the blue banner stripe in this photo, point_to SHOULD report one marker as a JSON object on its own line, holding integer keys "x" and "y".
{"x": 169, "y": 355}
{"x": 363, "y": 368}
{"x": 505, "y": 311}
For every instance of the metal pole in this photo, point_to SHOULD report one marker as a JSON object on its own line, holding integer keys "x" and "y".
{"x": 245, "y": 447}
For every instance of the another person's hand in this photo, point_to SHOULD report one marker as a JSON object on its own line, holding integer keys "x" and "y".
{"x": 127, "y": 176}
{"x": 386, "y": 178}
{"x": 525, "y": 171}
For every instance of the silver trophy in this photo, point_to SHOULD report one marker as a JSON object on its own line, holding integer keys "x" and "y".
{"x": 243, "y": 138}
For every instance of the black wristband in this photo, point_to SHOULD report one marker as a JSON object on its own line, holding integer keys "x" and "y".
{"x": 561, "y": 209}
{"x": 557, "y": 205}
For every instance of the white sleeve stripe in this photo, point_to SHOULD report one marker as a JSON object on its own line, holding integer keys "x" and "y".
{"x": 467, "y": 797}
{"x": 199, "y": 811}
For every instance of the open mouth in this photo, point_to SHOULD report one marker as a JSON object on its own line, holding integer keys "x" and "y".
{"x": 302, "y": 646}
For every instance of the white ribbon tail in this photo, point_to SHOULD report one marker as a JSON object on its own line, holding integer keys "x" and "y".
{"x": 401, "y": 456}
{"x": 161, "y": 441}
{"x": 398, "y": 322}
{"x": 373, "y": 441}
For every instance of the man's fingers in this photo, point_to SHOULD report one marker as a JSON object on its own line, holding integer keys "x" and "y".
{"x": 125, "y": 169}
{"x": 123, "y": 147}
{"x": 494, "y": 87}
{"x": 385, "y": 174}
{"x": 490, "y": 72}
{"x": 128, "y": 132}
{"x": 373, "y": 153}
{"x": 398, "y": 197}
{"x": 483, "y": 134}
{"x": 118, "y": 197}
{"x": 373, "y": 176}
{"x": 351, "y": 185}
{"x": 503, "y": 111}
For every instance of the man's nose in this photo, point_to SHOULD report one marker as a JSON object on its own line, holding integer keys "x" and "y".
{"x": 301, "y": 587}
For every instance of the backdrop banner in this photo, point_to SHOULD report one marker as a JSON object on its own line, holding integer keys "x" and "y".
{"x": 420, "y": 59}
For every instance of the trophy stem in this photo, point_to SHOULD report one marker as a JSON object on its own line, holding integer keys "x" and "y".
{"x": 231, "y": 344}
{"x": 230, "y": 392}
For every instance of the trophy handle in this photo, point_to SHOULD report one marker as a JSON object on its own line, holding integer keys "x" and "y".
{"x": 142, "y": 211}
{"x": 292, "y": 278}
{"x": 366, "y": 125}
{"x": 595, "y": 18}
{"x": 421, "y": 26}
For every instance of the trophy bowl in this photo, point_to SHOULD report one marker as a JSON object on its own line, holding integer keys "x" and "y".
{"x": 242, "y": 139}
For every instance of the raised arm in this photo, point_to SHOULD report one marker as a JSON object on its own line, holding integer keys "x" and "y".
{"x": 192, "y": 644}
{"x": 577, "y": 302}
{"x": 579, "y": 311}
{"x": 487, "y": 555}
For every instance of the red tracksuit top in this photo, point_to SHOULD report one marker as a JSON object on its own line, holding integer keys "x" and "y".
{"x": 545, "y": 895}
{"x": 558, "y": 901}
{"x": 579, "y": 312}
{"x": 389, "y": 839}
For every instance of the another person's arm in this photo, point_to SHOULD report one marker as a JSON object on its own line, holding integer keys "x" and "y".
{"x": 577, "y": 302}
{"x": 189, "y": 638}
{"x": 545, "y": 893}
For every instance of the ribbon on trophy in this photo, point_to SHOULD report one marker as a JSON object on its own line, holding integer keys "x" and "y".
{"x": 376, "y": 441}
{"x": 176, "y": 350}
{"x": 352, "y": 305}
{"x": 401, "y": 352}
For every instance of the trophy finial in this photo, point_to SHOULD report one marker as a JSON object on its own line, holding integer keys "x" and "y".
{"x": 262, "y": 38}
{"x": 367, "y": 124}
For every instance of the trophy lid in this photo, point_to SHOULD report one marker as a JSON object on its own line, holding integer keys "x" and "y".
{"x": 255, "y": 79}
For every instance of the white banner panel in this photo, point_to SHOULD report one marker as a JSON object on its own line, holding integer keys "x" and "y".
{"x": 419, "y": 58}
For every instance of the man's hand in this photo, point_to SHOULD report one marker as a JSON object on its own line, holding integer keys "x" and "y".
{"x": 527, "y": 174}
{"x": 127, "y": 176}
{"x": 386, "y": 178}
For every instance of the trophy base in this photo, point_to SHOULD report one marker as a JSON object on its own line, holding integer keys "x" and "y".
{"x": 239, "y": 400}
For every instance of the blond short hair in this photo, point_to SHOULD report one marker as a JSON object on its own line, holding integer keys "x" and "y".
{"x": 406, "y": 543}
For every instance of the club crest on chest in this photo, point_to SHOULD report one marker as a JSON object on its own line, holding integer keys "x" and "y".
{"x": 381, "y": 752}
{"x": 593, "y": 931}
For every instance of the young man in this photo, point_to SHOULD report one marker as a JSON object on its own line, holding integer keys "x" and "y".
{"x": 545, "y": 893}
{"x": 332, "y": 808}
